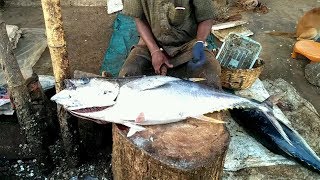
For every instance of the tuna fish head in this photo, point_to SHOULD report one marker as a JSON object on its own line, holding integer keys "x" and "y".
{"x": 87, "y": 93}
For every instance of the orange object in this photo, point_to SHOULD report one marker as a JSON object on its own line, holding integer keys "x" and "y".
{"x": 307, "y": 48}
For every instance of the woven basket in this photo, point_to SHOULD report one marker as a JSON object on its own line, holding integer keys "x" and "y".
{"x": 238, "y": 79}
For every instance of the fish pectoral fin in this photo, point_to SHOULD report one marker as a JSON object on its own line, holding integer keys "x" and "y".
{"x": 131, "y": 132}
{"x": 208, "y": 119}
{"x": 274, "y": 121}
{"x": 133, "y": 128}
{"x": 141, "y": 118}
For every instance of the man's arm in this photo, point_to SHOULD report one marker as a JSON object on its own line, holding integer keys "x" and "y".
{"x": 158, "y": 57}
{"x": 204, "y": 29}
{"x": 146, "y": 34}
{"x": 199, "y": 58}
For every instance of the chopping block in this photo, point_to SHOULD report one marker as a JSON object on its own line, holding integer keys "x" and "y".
{"x": 189, "y": 149}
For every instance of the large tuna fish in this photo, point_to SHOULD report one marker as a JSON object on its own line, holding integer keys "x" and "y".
{"x": 161, "y": 99}
{"x": 151, "y": 100}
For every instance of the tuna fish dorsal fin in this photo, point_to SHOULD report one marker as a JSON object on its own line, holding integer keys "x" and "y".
{"x": 273, "y": 99}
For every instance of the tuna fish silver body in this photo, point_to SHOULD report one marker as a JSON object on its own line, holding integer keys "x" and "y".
{"x": 161, "y": 99}
{"x": 151, "y": 100}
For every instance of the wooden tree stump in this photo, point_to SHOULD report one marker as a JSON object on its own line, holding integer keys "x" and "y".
{"x": 190, "y": 149}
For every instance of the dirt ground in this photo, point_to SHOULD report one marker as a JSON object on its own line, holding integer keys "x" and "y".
{"x": 283, "y": 16}
{"x": 88, "y": 31}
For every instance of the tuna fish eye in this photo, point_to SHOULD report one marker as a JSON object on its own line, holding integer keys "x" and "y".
{"x": 106, "y": 92}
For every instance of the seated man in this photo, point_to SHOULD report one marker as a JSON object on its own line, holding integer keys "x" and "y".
{"x": 172, "y": 36}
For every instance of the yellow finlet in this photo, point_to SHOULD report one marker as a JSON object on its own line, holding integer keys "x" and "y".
{"x": 208, "y": 119}
{"x": 196, "y": 79}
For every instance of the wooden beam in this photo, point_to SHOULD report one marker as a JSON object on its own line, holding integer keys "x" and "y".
{"x": 60, "y": 62}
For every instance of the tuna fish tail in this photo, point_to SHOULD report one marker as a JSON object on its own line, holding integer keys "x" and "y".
{"x": 258, "y": 124}
{"x": 300, "y": 150}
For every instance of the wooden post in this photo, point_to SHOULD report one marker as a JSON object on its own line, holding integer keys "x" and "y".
{"x": 189, "y": 149}
{"x": 61, "y": 70}
{"x": 30, "y": 123}
{"x": 56, "y": 41}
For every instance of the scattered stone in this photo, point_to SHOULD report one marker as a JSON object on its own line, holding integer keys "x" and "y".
{"x": 312, "y": 73}
{"x": 261, "y": 8}
{"x": 248, "y": 4}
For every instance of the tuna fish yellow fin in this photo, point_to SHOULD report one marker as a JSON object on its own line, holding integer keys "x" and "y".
{"x": 208, "y": 119}
{"x": 133, "y": 128}
{"x": 196, "y": 79}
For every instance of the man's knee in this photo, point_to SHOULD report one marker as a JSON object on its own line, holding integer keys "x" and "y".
{"x": 128, "y": 71}
{"x": 131, "y": 68}
{"x": 212, "y": 71}
{"x": 213, "y": 64}
{"x": 134, "y": 66}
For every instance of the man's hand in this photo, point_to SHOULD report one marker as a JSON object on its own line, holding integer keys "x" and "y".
{"x": 159, "y": 59}
{"x": 160, "y": 62}
{"x": 199, "y": 57}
